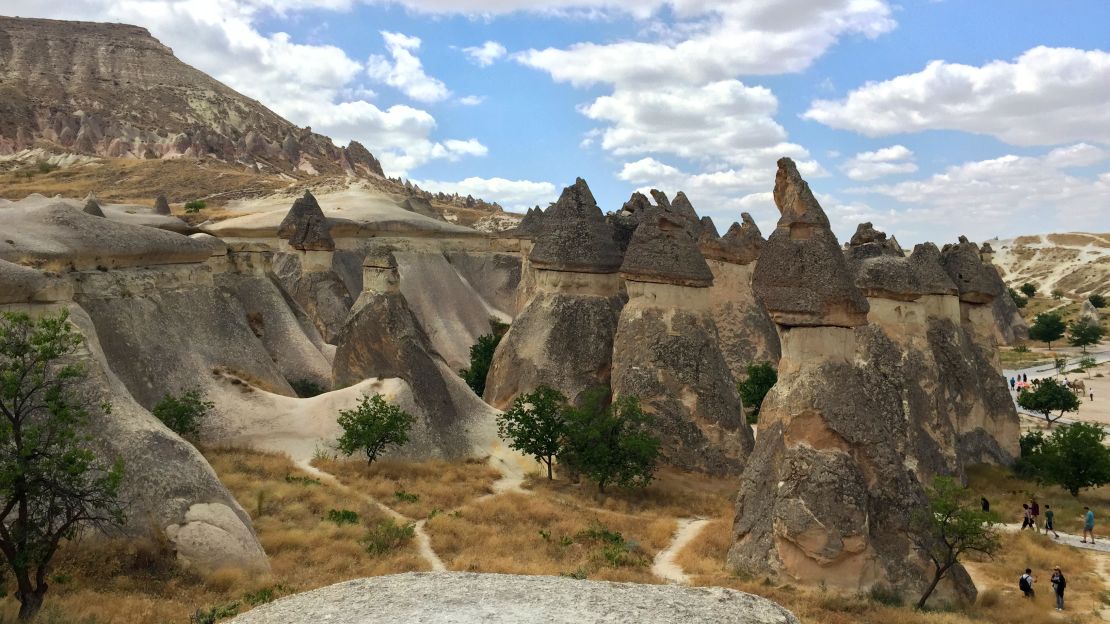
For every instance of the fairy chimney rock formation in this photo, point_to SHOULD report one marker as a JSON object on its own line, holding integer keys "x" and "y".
{"x": 161, "y": 205}
{"x": 868, "y": 242}
{"x": 563, "y": 337}
{"x": 802, "y": 277}
{"x": 666, "y": 350}
{"x": 966, "y": 268}
{"x": 379, "y": 271}
{"x": 530, "y": 226}
{"x": 92, "y": 206}
{"x": 306, "y": 230}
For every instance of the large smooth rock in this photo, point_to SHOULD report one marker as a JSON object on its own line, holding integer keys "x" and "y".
{"x": 468, "y": 598}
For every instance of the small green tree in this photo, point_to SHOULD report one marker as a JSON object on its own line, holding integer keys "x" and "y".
{"x": 1097, "y": 300}
{"x": 953, "y": 525}
{"x": 1086, "y": 363}
{"x": 1019, "y": 301}
{"x": 481, "y": 357}
{"x": 52, "y": 484}
{"x": 1073, "y": 457}
{"x": 372, "y": 427}
{"x": 1028, "y": 289}
{"x": 1084, "y": 332}
{"x": 195, "y": 206}
{"x": 535, "y": 425}
{"x": 761, "y": 378}
{"x": 1049, "y": 396}
{"x": 1047, "y": 327}
{"x": 1057, "y": 294}
{"x": 184, "y": 414}
{"x": 610, "y": 444}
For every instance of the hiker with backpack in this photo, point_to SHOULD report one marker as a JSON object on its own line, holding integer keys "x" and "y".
{"x": 1025, "y": 584}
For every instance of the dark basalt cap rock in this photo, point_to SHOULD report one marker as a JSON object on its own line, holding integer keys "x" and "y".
{"x": 380, "y": 257}
{"x": 638, "y": 202}
{"x": 575, "y": 236}
{"x": 92, "y": 206}
{"x": 682, "y": 207}
{"x": 903, "y": 278}
{"x": 868, "y": 242}
{"x": 624, "y": 225}
{"x": 986, "y": 249}
{"x": 739, "y": 245}
{"x": 530, "y": 226}
{"x": 161, "y": 205}
{"x": 663, "y": 252}
{"x": 707, "y": 230}
{"x": 973, "y": 278}
{"x": 802, "y": 277}
{"x": 305, "y": 226}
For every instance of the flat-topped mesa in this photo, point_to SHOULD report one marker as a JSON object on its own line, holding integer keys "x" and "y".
{"x": 802, "y": 277}
{"x": 306, "y": 230}
{"x": 662, "y": 252}
{"x": 868, "y": 242}
{"x": 161, "y": 205}
{"x": 92, "y": 206}
{"x": 973, "y": 278}
{"x": 575, "y": 236}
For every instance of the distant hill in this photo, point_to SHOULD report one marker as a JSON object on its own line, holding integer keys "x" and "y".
{"x": 1076, "y": 263}
{"x": 113, "y": 90}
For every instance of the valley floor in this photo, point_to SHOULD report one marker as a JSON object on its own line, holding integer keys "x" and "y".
{"x": 335, "y": 520}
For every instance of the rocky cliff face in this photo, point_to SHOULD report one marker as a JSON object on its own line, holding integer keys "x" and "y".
{"x": 113, "y": 90}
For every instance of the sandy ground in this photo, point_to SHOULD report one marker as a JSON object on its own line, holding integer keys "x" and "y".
{"x": 665, "y": 566}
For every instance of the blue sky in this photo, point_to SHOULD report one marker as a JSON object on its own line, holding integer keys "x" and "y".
{"x": 930, "y": 118}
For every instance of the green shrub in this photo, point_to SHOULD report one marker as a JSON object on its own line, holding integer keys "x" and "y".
{"x": 1021, "y": 349}
{"x": 342, "y": 516}
{"x": 1097, "y": 300}
{"x": 481, "y": 357}
{"x": 761, "y": 378}
{"x": 885, "y": 595}
{"x": 195, "y": 206}
{"x": 1019, "y": 301}
{"x": 405, "y": 497}
{"x": 213, "y": 615}
{"x": 1057, "y": 294}
{"x": 301, "y": 480}
{"x": 45, "y": 167}
{"x": 1028, "y": 289}
{"x": 184, "y": 414}
{"x": 610, "y": 443}
{"x": 264, "y": 595}
{"x": 387, "y": 535}
{"x": 306, "y": 388}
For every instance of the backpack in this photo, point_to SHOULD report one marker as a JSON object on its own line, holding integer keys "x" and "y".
{"x": 1023, "y": 583}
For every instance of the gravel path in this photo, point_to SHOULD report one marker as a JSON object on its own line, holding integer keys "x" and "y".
{"x": 469, "y": 598}
{"x": 665, "y": 566}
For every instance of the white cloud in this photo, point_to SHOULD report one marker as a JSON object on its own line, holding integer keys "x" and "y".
{"x": 879, "y": 163}
{"x": 472, "y": 100}
{"x": 485, "y": 54}
{"x": 513, "y": 195}
{"x": 311, "y": 85}
{"x": 1004, "y": 196}
{"x": 406, "y": 72}
{"x": 1046, "y": 96}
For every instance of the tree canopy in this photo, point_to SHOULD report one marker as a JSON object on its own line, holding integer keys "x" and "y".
{"x": 761, "y": 378}
{"x": 1073, "y": 457}
{"x": 536, "y": 425}
{"x": 611, "y": 443}
{"x": 372, "y": 427}
{"x": 1047, "y": 327}
{"x": 1085, "y": 332}
{"x": 1049, "y": 396}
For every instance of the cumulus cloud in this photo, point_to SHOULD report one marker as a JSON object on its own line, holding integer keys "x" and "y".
{"x": 472, "y": 100}
{"x": 1045, "y": 96}
{"x": 879, "y": 163}
{"x": 310, "y": 84}
{"x": 406, "y": 72}
{"x": 515, "y": 195}
{"x": 485, "y": 54}
{"x": 1006, "y": 195}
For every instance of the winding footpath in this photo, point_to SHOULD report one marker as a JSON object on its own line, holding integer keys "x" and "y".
{"x": 665, "y": 565}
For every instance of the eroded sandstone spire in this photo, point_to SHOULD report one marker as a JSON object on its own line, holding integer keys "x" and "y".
{"x": 662, "y": 251}
{"x": 575, "y": 236}
{"x": 161, "y": 205}
{"x": 305, "y": 226}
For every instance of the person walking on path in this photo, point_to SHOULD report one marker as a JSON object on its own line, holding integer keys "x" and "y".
{"x": 1088, "y": 525}
{"x": 1013, "y": 382}
{"x": 1025, "y": 378}
{"x": 1026, "y": 517}
{"x": 1025, "y": 584}
{"x": 1092, "y": 394}
{"x": 1036, "y": 509}
{"x": 1050, "y": 521}
{"x": 1058, "y": 585}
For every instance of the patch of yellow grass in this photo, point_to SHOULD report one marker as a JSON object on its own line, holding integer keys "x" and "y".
{"x": 436, "y": 484}
{"x": 521, "y": 534}
{"x": 122, "y": 582}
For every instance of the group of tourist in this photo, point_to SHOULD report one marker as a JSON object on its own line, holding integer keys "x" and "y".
{"x": 1021, "y": 382}
{"x": 1059, "y": 583}
{"x": 1031, "y": 512}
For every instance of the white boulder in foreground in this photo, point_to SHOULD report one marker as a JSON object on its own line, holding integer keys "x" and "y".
{"x": 465, "y": 598}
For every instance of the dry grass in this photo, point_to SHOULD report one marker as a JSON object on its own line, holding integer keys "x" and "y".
{"x": 110, "y": 582}
{"x": 436, "y": 484}
{"x": 521, "y": 534}
{"x": 672, "y": 493}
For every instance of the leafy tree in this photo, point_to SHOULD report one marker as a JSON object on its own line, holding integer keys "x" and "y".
{"x": 373, "y": 426}
{"x": 195, "y": 206}
{"x": 1028, "y": 289}
{"x": 1047, "y": 397}
{"x": 1097, "y": 300}
{"x": 610, "y": 444}
{"x": 1047, "y": 327}
{"x": 1019, "y": 301}
{"x": 481, "y": 357}
{"x": 1084, "y": 333}
{"x": 1086, "y": 363}
{"x": 1030, "y": 443}
{"x": 1073, "y": 457}
{"x": 1060, "y": 363}
{"x": 306, "y": 388}
{"x": 183, "y": 414}
{"x": 535, "y": 425}
{"x": 953, "y": 525}
{"x": 1057, "y": 294}
{"x": 761, "y": 377}
{"x": 52, "y": 484}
